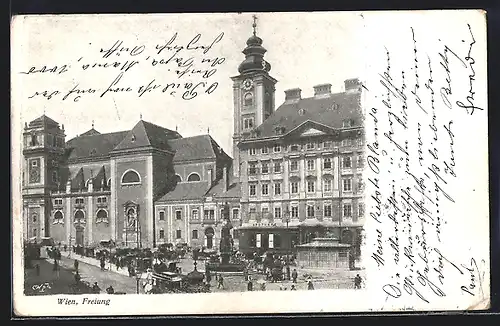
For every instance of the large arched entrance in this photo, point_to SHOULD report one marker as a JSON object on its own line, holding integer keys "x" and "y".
{"x": 79, "y": 228}
{"x": 209, "y": 234}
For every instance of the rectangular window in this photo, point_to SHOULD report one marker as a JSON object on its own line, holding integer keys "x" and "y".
{"x": 264, "y": 211}
{"x": 50, "y": 139}
{"x": 347, "y": 184}
{"x": 310, "y": 186}
{"x": 265, "y": 189}
{"x": 327, "y": 209}
{"x": 178, "y": 234}
{"x": 310, "y": 146}
{"x": 271, "y": 240}
{"x": 277, "y": 167}
{"x": 248, "y": 123}
{"x": 34, "y": 162}
{"x": 327, "y": 144}
{"x": 253, "y": 211}
{"x": 265, "y": 167}
{"x": 79, "y": 201}
{"x": 310, "y": 165}
{"x": 327, "y": 185}
{"x": 252, "y": 169}
{"x": 252, "y": 151}
{"x": 327, "y": 163}
{"x": 209, "y": 214}
{"x": 277, "y": 188}
{"x": 295, "y": 187}
{"x": 258, "y": 239}
{"x": 162, "y": 216}
{"x": 310, "y": 211}
{"x": 58, "y": 201}
{"x": 253, "y": 190}
{"x": 194, "y": 214}
{"x": 361, "y": 185}
{"x": 347, "y": 123}
{"x": 236, "y": 213}
{"x": 178, "y": 214}
{"x": 264, "y": 150}
{"x": 361, "y": 161}
{"x": 295, "y": 211}
{"x": 277, "y": 212}
{"x": 346, "y": 142}
{"x": 347, "y": 210}
{"x": 361, "y": 210}
{"x": 277, "y": 148}
{"x": 162, "y": 234}
{"x": 346, "y": 162}
{"x": 294, "y": 148}
{"x": 359, "y": 141}
{"x": 102, "y": 200}
{"x": 294, "y": 166}
{"x": 194, "y": 234}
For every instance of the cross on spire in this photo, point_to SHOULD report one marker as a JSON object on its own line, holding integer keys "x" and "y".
{"x": 254, "y": 25}
{"x": 92, "y": 124}
{"x": 140, "y": 116}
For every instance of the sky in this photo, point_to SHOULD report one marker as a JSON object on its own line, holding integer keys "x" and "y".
{"x": 303, "y": 50}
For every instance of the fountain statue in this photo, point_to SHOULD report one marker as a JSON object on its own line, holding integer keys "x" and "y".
{"x": 226, "y": 242}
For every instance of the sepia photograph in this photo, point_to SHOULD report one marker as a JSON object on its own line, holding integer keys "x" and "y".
{"x": 250, "y": 154}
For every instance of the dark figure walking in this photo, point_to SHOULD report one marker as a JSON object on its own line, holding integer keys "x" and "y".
{"x": 75, "y": 265}
{"x": 77, "y": 277}
{"x": 103, "y": 264}
{"x": 37, "y": 269}
{"x": 294, "y": 276}
{"x": 221, "y": 282}
{"x": 250, "y": 285}
{"x": 96, "y": 289}
{"x": 208, "y": 277}
{"x": 310, "y": 285}
{"x": 288, "y": 273}
{"x": 293, "y": 288}
{"x": 357, "y": 282}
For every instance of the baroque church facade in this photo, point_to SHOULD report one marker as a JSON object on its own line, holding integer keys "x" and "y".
{"x": 295, "y": 173}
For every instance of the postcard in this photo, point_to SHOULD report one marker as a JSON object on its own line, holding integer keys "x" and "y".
{"x": 216, "y": 163}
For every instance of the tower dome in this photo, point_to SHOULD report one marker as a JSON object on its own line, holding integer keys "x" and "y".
{"x": 254, "y": 54}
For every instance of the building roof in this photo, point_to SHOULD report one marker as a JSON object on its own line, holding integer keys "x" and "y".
{"x": 91, "y": 132}
{"x": 94, "y": 145}
{"x": 330, "y": 111}
{"x": 186, "y": 191}
{"x": 196, "y": 147}
{"x": 233, "y": 190}
{"x": 43, "y": 121}
{"x": 146, "y": 134}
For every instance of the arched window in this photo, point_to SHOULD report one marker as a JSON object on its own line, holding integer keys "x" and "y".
{"x": 194, "y": 177}
{"x": 131, "y": 177}
{"x": 109, "y": 182}
{"x": 102, "y": 216}
{"x": 79, "y": 216}
{"x": 248, "y": 99}
{"x": 58, "y": 217}
{"x": 177, "y": 178}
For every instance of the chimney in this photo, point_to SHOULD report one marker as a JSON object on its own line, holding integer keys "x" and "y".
{"x": 352, "y": 85}
{"x": 293, "y": 94}
{"x": 322, "y": 90}
{"x": 225, "y": 178}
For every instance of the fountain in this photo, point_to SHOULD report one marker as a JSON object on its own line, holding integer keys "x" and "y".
{"x": 226, "y": 248}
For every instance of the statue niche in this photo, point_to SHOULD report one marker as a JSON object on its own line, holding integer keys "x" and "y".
{"x": 131, "y": 230}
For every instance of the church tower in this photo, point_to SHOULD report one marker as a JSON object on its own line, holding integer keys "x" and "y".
{"x": 253, "y": 93}
{"x": 43, "y": 151}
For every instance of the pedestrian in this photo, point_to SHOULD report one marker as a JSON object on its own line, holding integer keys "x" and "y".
{"x": 65, "y": 247}
{"x": 250, "y": 285}
{"x": 357, "y": 282}
{"x": 208, "y": 276}
{"x": 117, "y": 262}
{"x": 310, "y": 285}
{"x": 75, "y": 265}
{"x": 77, "y": 277}
{"x": 96, "y": 289}
{"x": 110, "y": 290}
{"x": 103, "y": 264}
{"x": 294, "y": 276}
{"x": 221, "y": 282}
{"x": 293, "y": 288}
{"x": 37, "y": 269}
{"x": 56, "y": 266}
{"x": 287, "y": 273}
{"x": 263, "y": 285}
{"x": 245, "y": 274}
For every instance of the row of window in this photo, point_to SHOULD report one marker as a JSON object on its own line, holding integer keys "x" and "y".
{"x": 101, "y": 217}
{"x": 310, "y": 186}
{"x": 346, "y": 163}
{"x": 178, "y": 234}
{"x": 208, "y": 214}
{"x": 311, "y": 211}
{"x": 308, "y": 146}
{"x": 54, "y": 141}
{"x": 80, "y": 201}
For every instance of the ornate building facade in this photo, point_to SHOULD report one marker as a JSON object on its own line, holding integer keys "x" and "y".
{"x": 300, "y": 165}
{"x": 100, "y": 187}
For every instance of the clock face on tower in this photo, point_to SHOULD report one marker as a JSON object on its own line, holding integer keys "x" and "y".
{"x": 247, "y": 84}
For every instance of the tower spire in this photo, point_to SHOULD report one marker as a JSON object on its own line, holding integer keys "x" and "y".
{"x": 254, "y": 25}
{"x": 92, "y": 124}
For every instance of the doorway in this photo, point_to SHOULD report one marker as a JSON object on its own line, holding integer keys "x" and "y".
{"x": 209, "y": 233}
{"x": 79, "y": 238}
